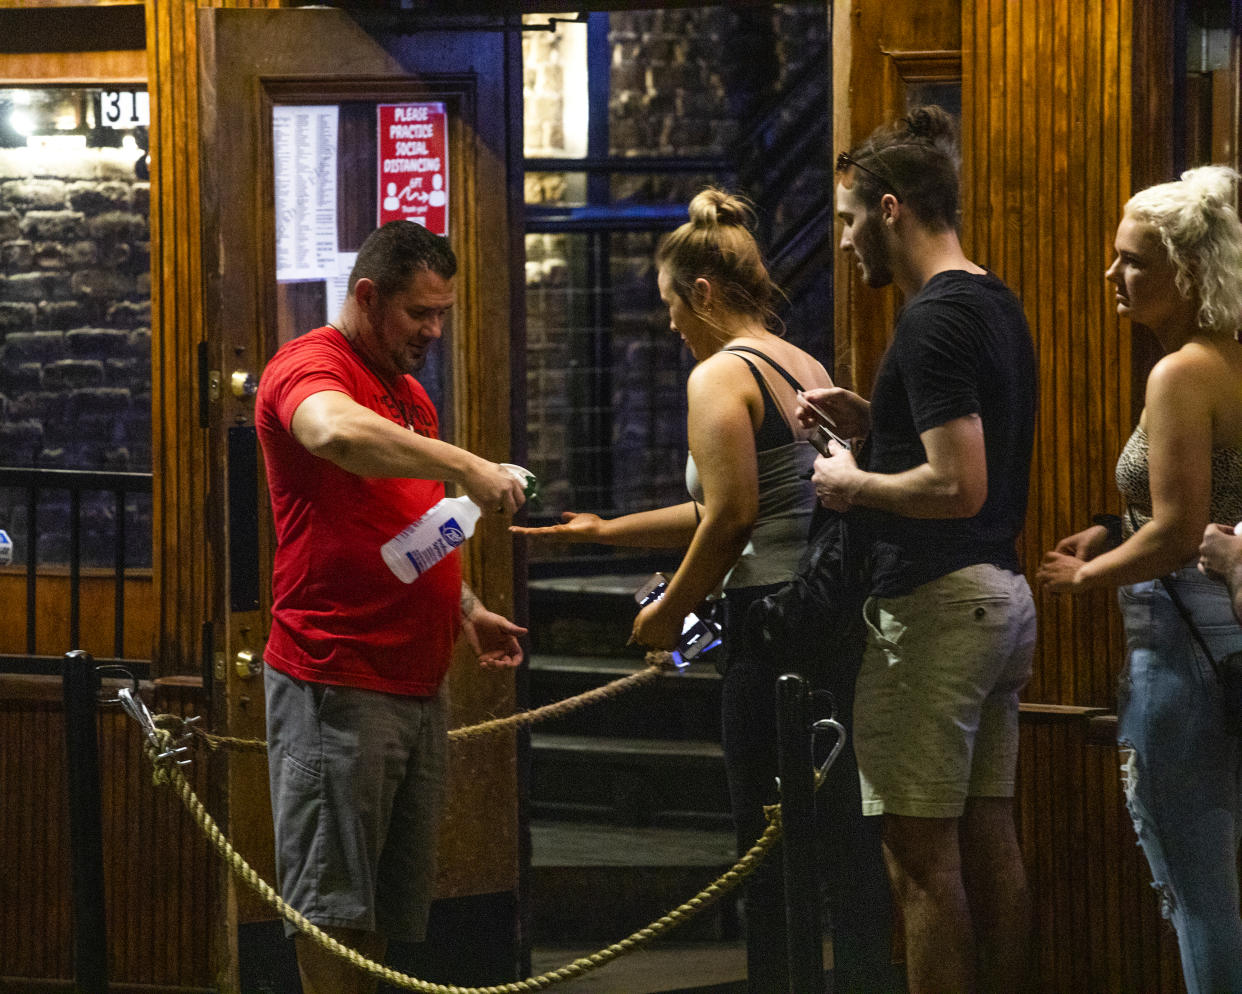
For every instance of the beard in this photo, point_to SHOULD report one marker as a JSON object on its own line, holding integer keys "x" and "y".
{"x": 410, "y": 361}
{"x": 873, "y": 254}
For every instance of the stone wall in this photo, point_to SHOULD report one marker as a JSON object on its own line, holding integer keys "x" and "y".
{"x": 75, "y": 339}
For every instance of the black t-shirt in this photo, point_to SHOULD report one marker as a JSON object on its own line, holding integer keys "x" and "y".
{"x": 961, "y": 347}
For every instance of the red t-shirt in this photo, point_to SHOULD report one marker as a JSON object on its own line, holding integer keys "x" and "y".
{"x": 339, "y": 614}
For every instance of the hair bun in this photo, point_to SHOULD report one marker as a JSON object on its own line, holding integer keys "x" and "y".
{"x": 1214, "y": 185}
{"x": 713, "y": 206}
{"x": 930, "y": 123}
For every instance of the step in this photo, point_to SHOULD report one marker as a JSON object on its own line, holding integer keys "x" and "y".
{"x": 667, "y": 966}
{"x": 602, "y": 882}
{"x": 681, "y": 704}
{"x": 581, "y": 844}
{"x": 584, "y": 615}
{"x": 629, "y": 781}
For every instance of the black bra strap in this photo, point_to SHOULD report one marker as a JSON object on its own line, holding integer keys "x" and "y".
{"x": 770, "y": 361}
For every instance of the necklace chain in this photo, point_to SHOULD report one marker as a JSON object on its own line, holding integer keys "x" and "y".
{"x": 394, "y": 401}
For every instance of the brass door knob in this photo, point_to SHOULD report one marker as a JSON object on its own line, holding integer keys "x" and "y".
{"x": 245, "y": 664}
{"x": 243, "y": 383}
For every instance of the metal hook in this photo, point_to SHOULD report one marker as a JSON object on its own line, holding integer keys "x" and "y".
{"x": 834, "y": 726}
{"x": 112, "y": 669}
{"x": 137, "y": 709}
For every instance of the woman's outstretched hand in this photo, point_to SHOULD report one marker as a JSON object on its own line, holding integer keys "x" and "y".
{"x": 574, "y": 527}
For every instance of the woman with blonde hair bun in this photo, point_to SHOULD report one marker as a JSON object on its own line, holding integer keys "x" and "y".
{"x": 746, "y": 524}
{"x": 1178, "y": 270}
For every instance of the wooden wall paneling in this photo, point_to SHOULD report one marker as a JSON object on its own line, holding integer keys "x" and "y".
{"x": 1042, "y": 172}
{"x": 1095, "y": 914}
{"x": 35, "y": 884}
{"x": 157, "y": 868}
{"x": 1153, "y": 155}
{"x": 97, "y": 630}
{"x": 1224, "y": 84}
{"x": 179, "y": 503}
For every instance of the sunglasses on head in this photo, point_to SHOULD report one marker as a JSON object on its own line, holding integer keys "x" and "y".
{"x": 845, "y": 160}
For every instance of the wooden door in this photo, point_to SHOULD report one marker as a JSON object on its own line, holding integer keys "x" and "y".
{"x": 259, "y": 70}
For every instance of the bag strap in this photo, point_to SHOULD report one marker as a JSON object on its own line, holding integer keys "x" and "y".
{"x": 1176, "y": 598}
{"x": 1171, "y": 590}
{"x": 770, "y": 361}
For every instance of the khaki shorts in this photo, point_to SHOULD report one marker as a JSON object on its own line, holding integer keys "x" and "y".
{"x": 357, "y": 780}
{"x": 936, "y": 706}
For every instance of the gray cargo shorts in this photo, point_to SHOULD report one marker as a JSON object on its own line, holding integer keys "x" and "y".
{"x": 357, "y": 782}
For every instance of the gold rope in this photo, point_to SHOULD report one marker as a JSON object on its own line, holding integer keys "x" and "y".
{"x": 657, "y": 662}
{"x": 169, "y": 773}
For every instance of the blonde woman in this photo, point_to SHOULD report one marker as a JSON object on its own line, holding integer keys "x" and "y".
{"x": 1178, "y": 270}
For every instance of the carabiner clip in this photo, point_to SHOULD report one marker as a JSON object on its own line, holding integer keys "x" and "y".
{"x": 834, "y": 726}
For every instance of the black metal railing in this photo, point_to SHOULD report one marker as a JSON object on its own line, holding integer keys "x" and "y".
{"x": 37, "y": 483}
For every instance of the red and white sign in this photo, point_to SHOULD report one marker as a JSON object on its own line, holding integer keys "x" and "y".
{"x": 413, "y": 165}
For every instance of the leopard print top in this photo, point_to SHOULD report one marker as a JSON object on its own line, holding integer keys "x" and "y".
{"x": 1135, "y": 486}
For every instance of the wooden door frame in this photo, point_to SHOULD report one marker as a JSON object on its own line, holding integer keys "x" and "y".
{"x": 484, "y": 374}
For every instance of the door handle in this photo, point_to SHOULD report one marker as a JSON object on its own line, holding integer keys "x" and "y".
{"x": 243, "y": 383}
{"x": 246, "y": 664}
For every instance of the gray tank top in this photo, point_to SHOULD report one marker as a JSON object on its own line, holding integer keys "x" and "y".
{"x": 786, "y": 500}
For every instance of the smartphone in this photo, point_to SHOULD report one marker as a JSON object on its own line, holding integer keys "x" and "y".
{"x": 697, "y": 637}
{"x": 823, "y": 432}
{"x": 652, "y": 590}
{"x": 826, "y": 421}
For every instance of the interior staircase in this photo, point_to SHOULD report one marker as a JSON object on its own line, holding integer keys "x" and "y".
{"x": 629, "y": 803}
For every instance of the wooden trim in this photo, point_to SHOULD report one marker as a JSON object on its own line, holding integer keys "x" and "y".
{"x": 34, "y": 4}
{"x": 929, "y": 66}
{"x": 1058, "y": 712}
{"x": 122, "y": 66}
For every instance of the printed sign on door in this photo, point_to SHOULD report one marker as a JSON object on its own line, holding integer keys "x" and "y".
{"x": 413, "y": 165}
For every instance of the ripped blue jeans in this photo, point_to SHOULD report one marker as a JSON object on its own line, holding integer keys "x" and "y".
{"x": 1182, "y": 774}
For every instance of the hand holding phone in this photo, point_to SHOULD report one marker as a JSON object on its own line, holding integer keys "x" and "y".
{"x": 824, "y": 430}
{"x": 698, "y": 635}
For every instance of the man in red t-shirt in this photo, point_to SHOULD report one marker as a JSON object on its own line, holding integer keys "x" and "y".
{"x": 356, "y": 709}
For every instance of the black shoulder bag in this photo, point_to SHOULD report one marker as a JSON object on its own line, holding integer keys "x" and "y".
{"x": 813, "y": 625}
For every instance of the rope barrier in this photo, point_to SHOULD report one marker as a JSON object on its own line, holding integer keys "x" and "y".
{"x": 161, "y": 747}
{"x": 166, "y": 772}
{"x": 657, "y": 663}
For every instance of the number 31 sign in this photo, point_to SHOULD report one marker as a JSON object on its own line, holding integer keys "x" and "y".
{"x": 124, "y": 109}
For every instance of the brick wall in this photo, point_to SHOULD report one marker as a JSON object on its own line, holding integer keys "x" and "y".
{"x": 75, "y": 339}
{"x": 683, "y": 83}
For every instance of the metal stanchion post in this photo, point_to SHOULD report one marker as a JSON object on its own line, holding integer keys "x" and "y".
{"x": 90, "y": 943}
{"x": 797, "y": 769}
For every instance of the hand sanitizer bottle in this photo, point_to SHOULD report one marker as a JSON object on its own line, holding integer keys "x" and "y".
{"x": 432, "y": 537}
{"x": 442, "y": 529}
